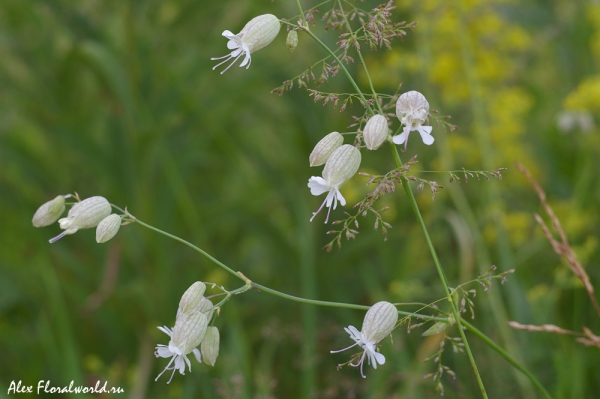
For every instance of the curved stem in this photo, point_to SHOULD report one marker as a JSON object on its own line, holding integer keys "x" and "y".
{"x": 271, "y": 291}
{"x": 438, "y": 266}
{"x": 506, "y": 356}
{"x": 189, "y": 244}
{"x": 362, "y": 61}
{"x": 341, "y": 64}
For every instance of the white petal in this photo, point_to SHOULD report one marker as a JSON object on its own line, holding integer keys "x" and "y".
{"x": 425, "y": 132}
{"x": 163, "y": 351}
{"x": 401, "y": 138}
{"x": 378, "y": 358}
{"x": 340, "y": 197}
{"x": 318, "y": 185}
{"x": 196, "y": 353}
{"x": 330, "y": 198}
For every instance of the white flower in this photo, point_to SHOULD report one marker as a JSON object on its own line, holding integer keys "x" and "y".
{"x": 258, "y": 32}
{"x": 412, "y": 109}
{"x": 84, "y": 215}
{"x": 187, "y": 334}
{"x": 324, "y": 148}
{"x": 49, "y": 212}
{"x": 108, "y": 228}
{"x": 340, "y": 167}
{"x": 575, "y": 120}
{"x": 376, "y": 131}
{"x": 379, "y": 322}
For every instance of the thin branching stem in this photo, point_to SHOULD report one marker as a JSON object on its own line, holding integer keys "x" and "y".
{"x": 506, "y": 356}
{"x": 440, "y": 270}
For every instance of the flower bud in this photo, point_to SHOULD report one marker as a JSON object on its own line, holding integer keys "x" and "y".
{"x": 341, "y": 165}
{"x": 376, "y": 131}
{"x": 210, "y": 346}
{"x": 325, "y": 148}
{"x": 292, "y": 40}
{"x": 379, "y": 321}
{"x": 108, "y": 228}
{"x": 191, "y": 298}
{"x": 412, "y": 107}
{"x": 189, "y": 331}
{"x": 49, "y": 212}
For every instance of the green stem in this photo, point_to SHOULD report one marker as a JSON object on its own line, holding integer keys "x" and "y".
{"x": 508, "y": 357}
{"x": 270, "y": 290}
{"x": 335, "y": 57}
{"x": 341, "y": 305}
{"x": 362, "y": 60}
{"x": 438, "y": 266}
{"x": 302, "y": 15}
{"x": 189, "y": 244}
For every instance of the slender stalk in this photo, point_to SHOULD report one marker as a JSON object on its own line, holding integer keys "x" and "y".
{"x": 339, "y": 304}
{"x": 336, "y": 58}
{"x": 270, "y": 290}
{"x": 507, "y": 356}
{"x": 362, "y": 61}
{"x": 438, "y": 266}
{"x": 195, "y": 248}
{"x": 302, "y": 15}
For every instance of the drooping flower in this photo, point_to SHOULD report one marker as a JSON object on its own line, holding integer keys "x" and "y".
{"x": 84, "y": 215}
{"x": 376, "y": 131}
{"x": 412, "y": 109}
{"x": 258, "y": 32}
{"x": 49, "y": 212}
{"x": 324, "y": 148}
{"x": 187, "y": 334}
{"x": 339, "y": 168}
{"x": 379, "y": 322}
{"x": 108, "y": 228}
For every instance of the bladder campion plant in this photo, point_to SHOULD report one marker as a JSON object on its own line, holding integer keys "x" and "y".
{"x": 375, "y": 128}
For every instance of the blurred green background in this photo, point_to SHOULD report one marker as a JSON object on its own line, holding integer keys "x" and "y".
{"x": 117, "y": 98}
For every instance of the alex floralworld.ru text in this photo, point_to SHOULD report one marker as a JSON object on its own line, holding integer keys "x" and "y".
{"x": 45, "y": 387}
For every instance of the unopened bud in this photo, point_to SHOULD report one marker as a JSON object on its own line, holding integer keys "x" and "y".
{"x": 341, "y": 165}
{"x": 379, "y": 321}
{"x": 108, "y": 228}
{"x": 292, "y": 40}
{"x": 49, "y": 212}
{"x": 191, "y": 298}
{"x": 324, "y": 148}
{"x": 376, "y": 131}
{"x": 210, "y": 346}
